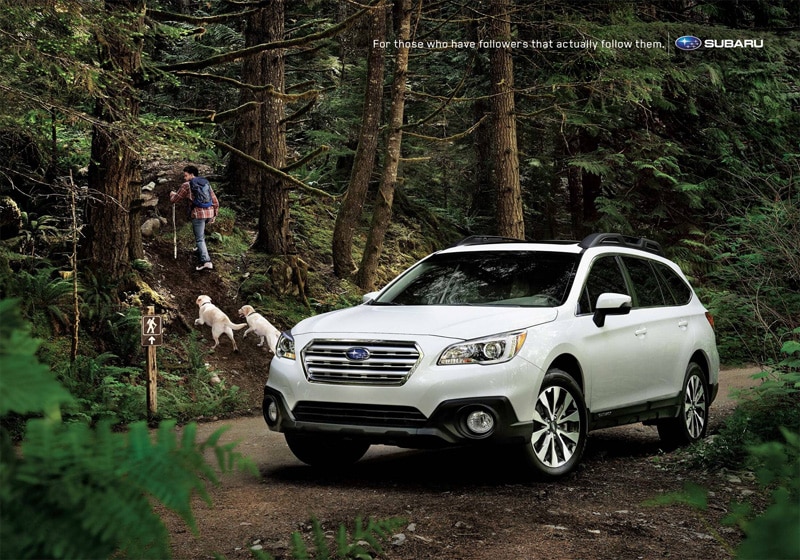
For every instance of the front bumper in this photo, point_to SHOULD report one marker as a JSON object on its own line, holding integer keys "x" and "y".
{"x": 397, "y": 425}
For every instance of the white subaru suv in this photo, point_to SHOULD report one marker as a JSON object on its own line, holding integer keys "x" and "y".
{"x": 501, "y": 341}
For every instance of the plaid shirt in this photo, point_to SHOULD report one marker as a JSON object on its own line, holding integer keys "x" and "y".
{"x": 196, "y": 213}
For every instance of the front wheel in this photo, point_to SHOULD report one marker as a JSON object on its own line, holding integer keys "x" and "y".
{"x": 559, "y": 426}
{"x": 691, "y": 423}
{"x": 326, "y": 451}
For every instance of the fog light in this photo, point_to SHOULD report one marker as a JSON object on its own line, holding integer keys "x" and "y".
{"x": 272, "y": 412}
{"x": 480, "y": 422}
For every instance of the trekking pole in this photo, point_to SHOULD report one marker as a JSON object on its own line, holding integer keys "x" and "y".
{"x": 174, "y": 235}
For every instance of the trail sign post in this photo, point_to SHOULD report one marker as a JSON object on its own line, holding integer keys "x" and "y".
{"x": 151, "y": 329}
{"x": 152, "y": 336}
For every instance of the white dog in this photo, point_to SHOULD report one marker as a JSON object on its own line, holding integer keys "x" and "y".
{"x": 213, "y": 316}
{"x": 259, "y": 325}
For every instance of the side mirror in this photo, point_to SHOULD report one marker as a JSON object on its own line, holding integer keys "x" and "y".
{"x": 366, "y": 298}
{"x": 610, "y": 304}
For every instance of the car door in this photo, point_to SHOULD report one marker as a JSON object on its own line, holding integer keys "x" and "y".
{"x": 613, "y": 355}
{"x": 664, "y": 330}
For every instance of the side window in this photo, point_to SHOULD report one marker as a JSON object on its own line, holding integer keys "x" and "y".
{"x": 604, "y": 277}
{"x": 645, "y": 283}
{"x": 680, "y": 293}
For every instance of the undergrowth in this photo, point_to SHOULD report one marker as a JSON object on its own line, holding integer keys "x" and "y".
{"x": 762, "y": 435}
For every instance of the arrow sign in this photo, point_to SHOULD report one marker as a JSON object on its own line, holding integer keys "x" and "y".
{"x": 152, "y": 340}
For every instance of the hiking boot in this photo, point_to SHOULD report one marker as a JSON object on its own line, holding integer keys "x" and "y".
{"x": 205, "y": 265}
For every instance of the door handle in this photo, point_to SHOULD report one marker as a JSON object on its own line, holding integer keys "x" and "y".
{"x": 683, "y": 323}
{"x": 640, "y": 332}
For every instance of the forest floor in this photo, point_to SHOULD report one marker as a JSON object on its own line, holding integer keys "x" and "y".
{"x": 456, "y": 504}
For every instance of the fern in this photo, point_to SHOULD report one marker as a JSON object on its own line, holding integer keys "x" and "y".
{"x": 72, "y": 491}
{"x": 26, "y": 385}
{"x": 363, "y": 544}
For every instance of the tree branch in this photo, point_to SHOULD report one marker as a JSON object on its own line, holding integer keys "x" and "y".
{"x": 255, "y": 49}
{"x": 305, "y": 159}
{"x": 269, "y": 88}
{"x": 160, "y": 15}
{"x": 270, "y": 169}
{"x": 452, "y": 138}
{"x": 300, "y": 112}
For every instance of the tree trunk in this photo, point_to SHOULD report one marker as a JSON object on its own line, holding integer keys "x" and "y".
{"x": 113, "y": 169}
{"x": 383, "y": 205}
{"x": 244, "y": 178}
{"x": 364, "y": 162}
{"x": 274, "y": 236}
{"x": 482, "y": 203}
{"x": 505, "y": 172}
{"x": 591, "y": 183}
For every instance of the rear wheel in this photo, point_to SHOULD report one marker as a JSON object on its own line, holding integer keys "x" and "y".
{"x": 691, "y": 423}
{"x": 325, "y": 451}
{"x": 559, "y": 426}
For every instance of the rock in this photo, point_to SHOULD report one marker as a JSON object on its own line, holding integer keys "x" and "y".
{"x": 10, "y": 217}
{"x": 398, "y": 539}
{"x": 152, "y": 226}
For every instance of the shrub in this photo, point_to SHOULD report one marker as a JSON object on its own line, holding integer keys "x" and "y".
{"x": 71, "y": 491}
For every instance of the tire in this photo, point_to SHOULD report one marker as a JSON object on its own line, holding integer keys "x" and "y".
{"x": 326, "y": 451}
{"x": 560, "y": 424}
{"x": 691, "y": 423}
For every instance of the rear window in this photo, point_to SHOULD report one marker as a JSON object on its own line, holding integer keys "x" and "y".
{"x": 510, "y": 278}
{"x": 679, "y": 292}
{"x": 649, "y": 292}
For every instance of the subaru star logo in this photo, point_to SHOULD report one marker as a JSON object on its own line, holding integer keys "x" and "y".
{"x": 688, "y": 43}
{"x": 357, "y": 354}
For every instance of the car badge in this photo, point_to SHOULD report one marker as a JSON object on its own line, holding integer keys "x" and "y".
{"x": 357, "y": 354}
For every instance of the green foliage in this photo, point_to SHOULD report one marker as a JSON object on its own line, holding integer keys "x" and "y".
{"x": 43, "y": 296}
{"x": 186, "y": 390}
{"x": 773, "y": 532}
{"x": 71, "y": 491}
{"x": 26, "y": 386}
{"x": 756, "y": 294}
{"x": 762, "y": 434}
{"x": 758, "y": 418}
{"x": 363, "y": 544}
{"x": 102, "y": 390}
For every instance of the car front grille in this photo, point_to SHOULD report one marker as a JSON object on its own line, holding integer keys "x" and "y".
{"x": 362, "y": 415}
{"x": 386, "y": 362}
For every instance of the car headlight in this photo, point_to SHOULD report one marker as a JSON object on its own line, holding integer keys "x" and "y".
{"x": 285, "y": 346}
{"x": 490, "y": 350}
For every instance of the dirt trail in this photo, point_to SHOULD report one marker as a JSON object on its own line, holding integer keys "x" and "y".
{"x": 467, "y": 504}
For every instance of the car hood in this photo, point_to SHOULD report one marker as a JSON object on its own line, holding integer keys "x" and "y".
{"x": 460, "y": 323}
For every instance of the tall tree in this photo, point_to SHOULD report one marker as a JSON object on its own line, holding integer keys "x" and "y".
{"x": 113, "y": 169}
{"x": 353, "y": 201}
{"x": 505, "y": 156}
{"x": 274, "y": 236}
{"x": 382, "y": 213}
{"x": 243, "y": 177}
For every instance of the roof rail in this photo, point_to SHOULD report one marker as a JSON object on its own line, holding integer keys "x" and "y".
{"x": 597, "y": 239}
{"x": 485, "y": 239}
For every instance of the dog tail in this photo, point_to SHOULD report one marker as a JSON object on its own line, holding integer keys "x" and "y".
{"x": 237, "y": 326}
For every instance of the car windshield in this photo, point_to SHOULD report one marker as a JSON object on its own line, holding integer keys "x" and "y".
{"x": 512, "y": 278}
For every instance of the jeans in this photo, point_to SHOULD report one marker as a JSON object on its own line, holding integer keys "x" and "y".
{"x": 199, "y": 227}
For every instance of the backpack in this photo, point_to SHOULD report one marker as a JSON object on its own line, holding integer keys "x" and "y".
{"x": 201, "y": 192}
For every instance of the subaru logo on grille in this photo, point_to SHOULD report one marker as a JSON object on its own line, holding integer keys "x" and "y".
{"x": 688, "y": 43}
{"x": 357, "y": 354}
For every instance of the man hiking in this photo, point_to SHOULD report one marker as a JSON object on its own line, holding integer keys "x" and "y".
{"x": 204, "y": 208}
